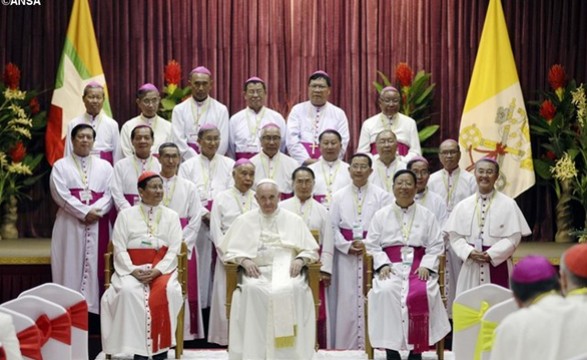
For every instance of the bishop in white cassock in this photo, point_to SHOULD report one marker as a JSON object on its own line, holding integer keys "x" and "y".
{"x": 181, "y": 196}
{"x": 245, "y": 125}
{"x": 128, "y": 170}
{"x": 140, "y": 308}
{"x": 386, "y": 163}
{"x": 228, "y": 205}
{"x": 405, "y": 307}
{"x": 107, "y": 141}
{"x": 272, "y": 314}
{"x": 307, "y": 120}
{"x": 390, "y": 118}
{"x": 484, "y": 231}
{"x": 148, "y": 102}
{"x": 199, "y": 109}
{"x": 80, "y": 186}
{"x": 430, "y": 200}
{"x": 351, "y": 212}
{"x": 317, "y": 219}
{"x": 271, "y": 163}
{"x": 332, "y": 174}
{"x": 212, "y": 174}
{"x": 453, "y": 185}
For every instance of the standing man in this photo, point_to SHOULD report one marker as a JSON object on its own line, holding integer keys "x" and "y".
{"x": 271, "y": 163}
{"x": 351, "y": 212}
{"x": 148, "y": 102}
{"x": 331, "y": 172}
{"x": 316, "y": 217}
{"x": 430, "y": 200}
{"x": 128, "y": 170}
{"x": 404, "y": 127}
{"x": 246, "y": 125}
{"x": 80, "y": 186}
{"x": 387, "y": 163}
{"x": 107, "y": 141}
{"x": 307, "y": 120}
{"x": 484, "y": 231}
{"x": 181, "y": 196}
{"x": 199, "y": 109}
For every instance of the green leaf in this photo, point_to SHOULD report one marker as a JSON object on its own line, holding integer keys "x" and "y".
{"x": 542, "y": 169}
{"x": 427, "y": 132}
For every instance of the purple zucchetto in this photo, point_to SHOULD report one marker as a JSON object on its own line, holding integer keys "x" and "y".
{"x": 241, "y": 162}
{"x": 388, "y": 88}
{"x": 201, "y": 70}
{"x": 270, "y": 125}
{"x": 320, "y": 72}
{"x": 531, "y": 269}
{"x": 254, "y": 79}
{"x": 419, "y": 158}
{"x": 148, "y": 87}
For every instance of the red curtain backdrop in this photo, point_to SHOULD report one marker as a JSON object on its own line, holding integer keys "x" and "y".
{"x": 284, "y": 41}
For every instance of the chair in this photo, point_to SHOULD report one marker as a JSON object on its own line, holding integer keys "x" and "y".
{"x": 493, "y": 317}
{"x": 76, "y": 306}
{"x": 12, "y": 325}
{"x": 182, "y": 277}
{"x": 52, "y": 319}
{"x": 468, "y": 310}
{"x": 368, "y": 284}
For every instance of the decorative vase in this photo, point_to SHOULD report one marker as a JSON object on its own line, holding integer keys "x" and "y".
{"x": 8, "y": 229}
{"x": 563, "y": 216}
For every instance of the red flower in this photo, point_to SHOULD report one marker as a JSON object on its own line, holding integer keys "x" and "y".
{"x": 34, "y": 106}
{"x": 11, "y": 76}
{"x": 403, "y": 74}
{"x": 18, "y": 152}
{"x": 547, "y": 110}
{"x": 557, "y": 77}
{"x": 551, "y": 155}
{"x": 172, "y": 73}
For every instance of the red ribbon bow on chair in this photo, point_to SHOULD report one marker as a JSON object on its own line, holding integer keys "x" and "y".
{"x": 30, "y": 342}
{"x": 58, "y": 328}
{"x": 79, "y": 315}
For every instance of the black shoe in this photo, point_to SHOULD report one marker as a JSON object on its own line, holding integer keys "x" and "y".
{"x": 160, "y": 356}
{"x": 140, "y": 357}
{"x": 414, "y": 356}
{"x": 393, "y": 355}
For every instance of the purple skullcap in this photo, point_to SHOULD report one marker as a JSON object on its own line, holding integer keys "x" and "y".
{"x": 419, "y": 158}
{"x": 388, "y": 88}
{"x": 254, "y": 79}
{"x": 576, "y": 260}
{"x": 94, "y": 84}
{"x": 488, "y": 159}
{"x": 208, "y": 126}
{"x": 141, "y": 126}
{"x": 320, "y": 72}
{"x": 148, "y": 87}
{"x": 241, "y": 162}
{"x": 201, "y": 70}
{"x": 533, "y": 268}
{"x": 270, "y": 125}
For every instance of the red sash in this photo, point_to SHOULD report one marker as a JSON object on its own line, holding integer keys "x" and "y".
{"x": 244, "y": 155}
{"x": 158, "y": 303}
{"x": 2, "y": 353}
{"x": 79, "y": 315}
{"x": 314, "y": 154}
{"x": 417, "y": 300}
{"x": 30, "y": 342}
{"x": 402, "y": 149}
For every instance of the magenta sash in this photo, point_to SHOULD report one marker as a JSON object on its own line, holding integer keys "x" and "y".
{"x": 194, "y": 146}
{"x": 244, "y": 155}
{"x": 192, "y": 285}
{"x": 322, "y": 332}
{"x": 107, "y": 155}
{"x": 132, "y": 199}
{"x": 347, "y": 234}
{"x": 284, "y": 196}
{"x": 402, "y": 149}
{"x": 314, "y": 154}
{"x": 319, "y": 198}
{"x": 103, "y": 234}
{"x": 417, "y": 301}
{"x": 499, "y": 274}
{"x": 209, "y": 205}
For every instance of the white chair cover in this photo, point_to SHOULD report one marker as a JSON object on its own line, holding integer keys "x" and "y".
{"x": 8, "y": 337}
{"x": 76, "y": 304}
{"x": 495, "y": 315}
{"x": 465, "y": 340}
{"x": 35, "y": 307}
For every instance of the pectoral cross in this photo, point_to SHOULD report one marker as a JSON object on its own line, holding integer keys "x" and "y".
{"x": 313, "y": 147}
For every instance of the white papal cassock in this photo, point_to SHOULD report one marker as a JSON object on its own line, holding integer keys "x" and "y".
{"x": 306, "y": 122}
{"x": 273, "y": 316}
{"x": 182, "y": 197}
{"x": 189, "y": 116}
{"x": 317, "y": 218}
{"x": 278, "y": 168}
{"x": 331, "y": 176}
{"x": 404, "y": 128}
{"x": 125, "y": 193}
{"x": 211, "y": 178}
{"x": 161, "y": 130}
{"x": 133, "y": 321}
{"x": 245, "y": 130}
{"x": 497, "y": 221}
{"x": 406, "y": 313}
{"x": 351, "y": 212}
{"x": 382, "y": 175}
{"x": 107, "y": 141}
{"x": 551, "y": 328}
{"x": 79, "y": 184}
{"x": 228, "y": 205}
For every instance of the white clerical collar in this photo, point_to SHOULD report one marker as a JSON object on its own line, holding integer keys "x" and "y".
{"x": 243, "y": 194}
{"x": 454, "y": 172}
{"x": 319, "y": 108}
{"x": 81, "y": 159}
{"x": 487, "y": 196}
{"x": 270, "y": 157}
{"x": 201, "y": 103}
{"x": 405, "y": 209}
{"x": 91, "y": 118}
{"x": 421, "y": 195}
{"x": 330, "y": 163}
{"x": 148, "y": 208}
{"x": 142, "y": 160}
{"x": 253, "y": 110}
{"x": 166, "y": 179}
{"x": 205, "y": 158}
{"x": 362, "y": 188}
{"x": 269, "y": 216}
{"x": 148, "y": 120}
{"x": 390, "y": 164}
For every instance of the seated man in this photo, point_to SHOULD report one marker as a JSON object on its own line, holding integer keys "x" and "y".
{"x": 272, "y": 315}
{"x": 573, "y": 273}
{"x": 547, "y": 326}
{"x": 405, "y": 308}
{"x": 140, "y": 308}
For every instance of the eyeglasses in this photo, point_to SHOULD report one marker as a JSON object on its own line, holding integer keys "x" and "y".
{"x": 271, "y": 138}
{"x": 449, "y": 152}
{"x": 318, "y": 87}
{"x": 421, "y": 173}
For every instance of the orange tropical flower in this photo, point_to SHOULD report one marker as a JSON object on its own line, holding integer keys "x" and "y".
{"x": 172, "y": 73}
{"x": 547, "y": 110}
{"x": 557, "y": 79}
{"x": 18, "y": 152}
{"x": 34, "y": 106}
{"x": 11, "y": 76}
{"x": 404, "y": 74}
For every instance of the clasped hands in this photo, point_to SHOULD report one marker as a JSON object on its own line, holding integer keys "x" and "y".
{"x": 92, "y": 216}
{"x": 252, "y": 270}
{"x": 480, "y": 257}
{"x": 386, "y": 271}
{"x": 146, "y": 276}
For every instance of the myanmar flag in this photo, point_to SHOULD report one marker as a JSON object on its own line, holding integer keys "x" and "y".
{"x": 79, "y": 65}
{"x": 494, "y": 122}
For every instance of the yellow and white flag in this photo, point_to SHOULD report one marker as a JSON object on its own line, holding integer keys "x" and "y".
{"x": 494, "y": 122}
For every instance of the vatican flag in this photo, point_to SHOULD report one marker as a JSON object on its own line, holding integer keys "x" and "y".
{"x": 494, "y": 122}
{"x": 79, "y": 65}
